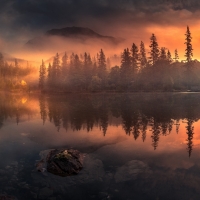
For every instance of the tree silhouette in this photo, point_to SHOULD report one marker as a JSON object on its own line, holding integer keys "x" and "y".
{"x": 176, "y": 56}
{"x": 142, "y": 56}
{"x": 56, "y": 70}
{"x": 189, "y": 54}
{"x": 169, "y": 56}
{"x": 155, "y": 134}
{"x": 49, "y": 76}
{"x": 64, "y": 70}
{"x": 188, "y": 43}
{"x": 42, "y": 76}
{"x": 126, "y": 73}
{"x": 43, "y": 109}
{"x": 163, "y": 54}
{"x": 134, "y": 58}
{"x": 154, "y": 50}
{"x": 87, "y": 70}
{"x": 102, "y": 71}
{"x": 190, "y": 133}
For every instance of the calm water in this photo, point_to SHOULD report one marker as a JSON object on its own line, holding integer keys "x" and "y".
{"x": 136, "y": 146}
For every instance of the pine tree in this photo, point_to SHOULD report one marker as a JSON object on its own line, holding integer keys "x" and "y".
{"x": 169, "y": 56}
{"x": 56, "y": 70}
{"x": 87, "y": 69}
{"x": 188, "y": 50}
{"x": 134, "y": 58}
{"x": 176, "y": 56}
{"x": 163, "y": 54}
{"x": 126, "y": 68}
{"x": 64, "y": 63}
{"x": 42, "y": 75}
{"x": 154, "y": 50}
{"x": 189, "y": 54}
{"x": 102, "y": 72}
{"x": 76, "y": 73}
{"x": 49, "y": 76}
{"x": 56, "y": 66}
{"x": 94, "y": 66}
{"x": 142, "y": 56}
{"x": 49, "y": 71}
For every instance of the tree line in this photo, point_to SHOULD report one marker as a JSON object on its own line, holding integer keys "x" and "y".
{"x": 12, "y": 75}
{"x": 158, "y": 71}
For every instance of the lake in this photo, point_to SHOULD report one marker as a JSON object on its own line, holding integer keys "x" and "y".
{"x": 135, "y": 146}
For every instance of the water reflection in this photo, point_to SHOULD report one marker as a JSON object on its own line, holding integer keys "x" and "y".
{"x": 135, "y": 144}
{"x": 136, "y": 113}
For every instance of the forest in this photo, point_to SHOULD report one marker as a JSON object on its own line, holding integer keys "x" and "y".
{"x": 138, "y": 70}
{"x": 12, "y": 75}
{"x": 160, "y": 71}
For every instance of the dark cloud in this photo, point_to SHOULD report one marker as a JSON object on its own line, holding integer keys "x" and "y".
{"x": 46, "y": 13}
{"x": 28, "y": 17}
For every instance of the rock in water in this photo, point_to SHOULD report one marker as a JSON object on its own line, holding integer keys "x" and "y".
{"x": 64, "y": 162}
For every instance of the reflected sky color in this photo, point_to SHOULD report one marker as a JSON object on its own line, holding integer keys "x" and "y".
{"x": 145, "y": 137}
{"x": 66, "y": 123}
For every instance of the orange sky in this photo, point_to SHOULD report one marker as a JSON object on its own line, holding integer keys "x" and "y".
{"x": 170, "y": 37}
{"x": 131, "y": 20}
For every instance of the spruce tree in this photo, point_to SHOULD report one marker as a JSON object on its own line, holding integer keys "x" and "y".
{"x": 134, "y": 58}
{"x": 42, "y": 75}
{"x": 154, "y": 50}
{"x": 169, "y": 56}
{"x": 163, "y": 54}
{"x": 56, "y": 70}
{"x": 126, "y": 68}
{"x": 64, "y": 64}
{"x": 189, "y": 54}
{"x": 142, "y": 56}
{"x": 102, "y": 72}
{"x": 188, "y": 43}
{"x": 56, "y": 66}
{"x": 87, "y": 69}
{"x": 176, "y": 56}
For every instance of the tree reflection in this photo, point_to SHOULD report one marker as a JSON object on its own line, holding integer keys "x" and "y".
{"x": 156, "y": 129}
{"x": 14, "y": 107}
{"x": 177, "y": 126}
{"x": 143, "y": 126}
{"x": 43, "y": 109}
{"x": 55, "y": 113}
{"x": 190, "y": 133}
{"x": 136, "y": 113}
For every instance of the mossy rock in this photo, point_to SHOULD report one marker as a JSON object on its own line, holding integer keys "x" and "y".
{"x": 64, "y": 162}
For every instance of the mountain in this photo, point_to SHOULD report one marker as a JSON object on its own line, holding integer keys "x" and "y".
{"x": 79, "y": 34}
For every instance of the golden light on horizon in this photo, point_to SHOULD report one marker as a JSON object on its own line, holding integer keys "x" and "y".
{"x": 24, "y": 100}
{"x": 174, "y": 38}
{"x": 23, "y": 83}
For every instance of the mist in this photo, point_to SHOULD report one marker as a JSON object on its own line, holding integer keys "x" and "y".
{"x": 134, "y": 21}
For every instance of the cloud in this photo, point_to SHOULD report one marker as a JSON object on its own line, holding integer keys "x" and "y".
{"x": 135, "y": 20}
{"x": 41, "y": 15}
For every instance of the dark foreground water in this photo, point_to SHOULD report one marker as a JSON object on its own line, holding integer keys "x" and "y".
{"x": 136, "y": 146}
